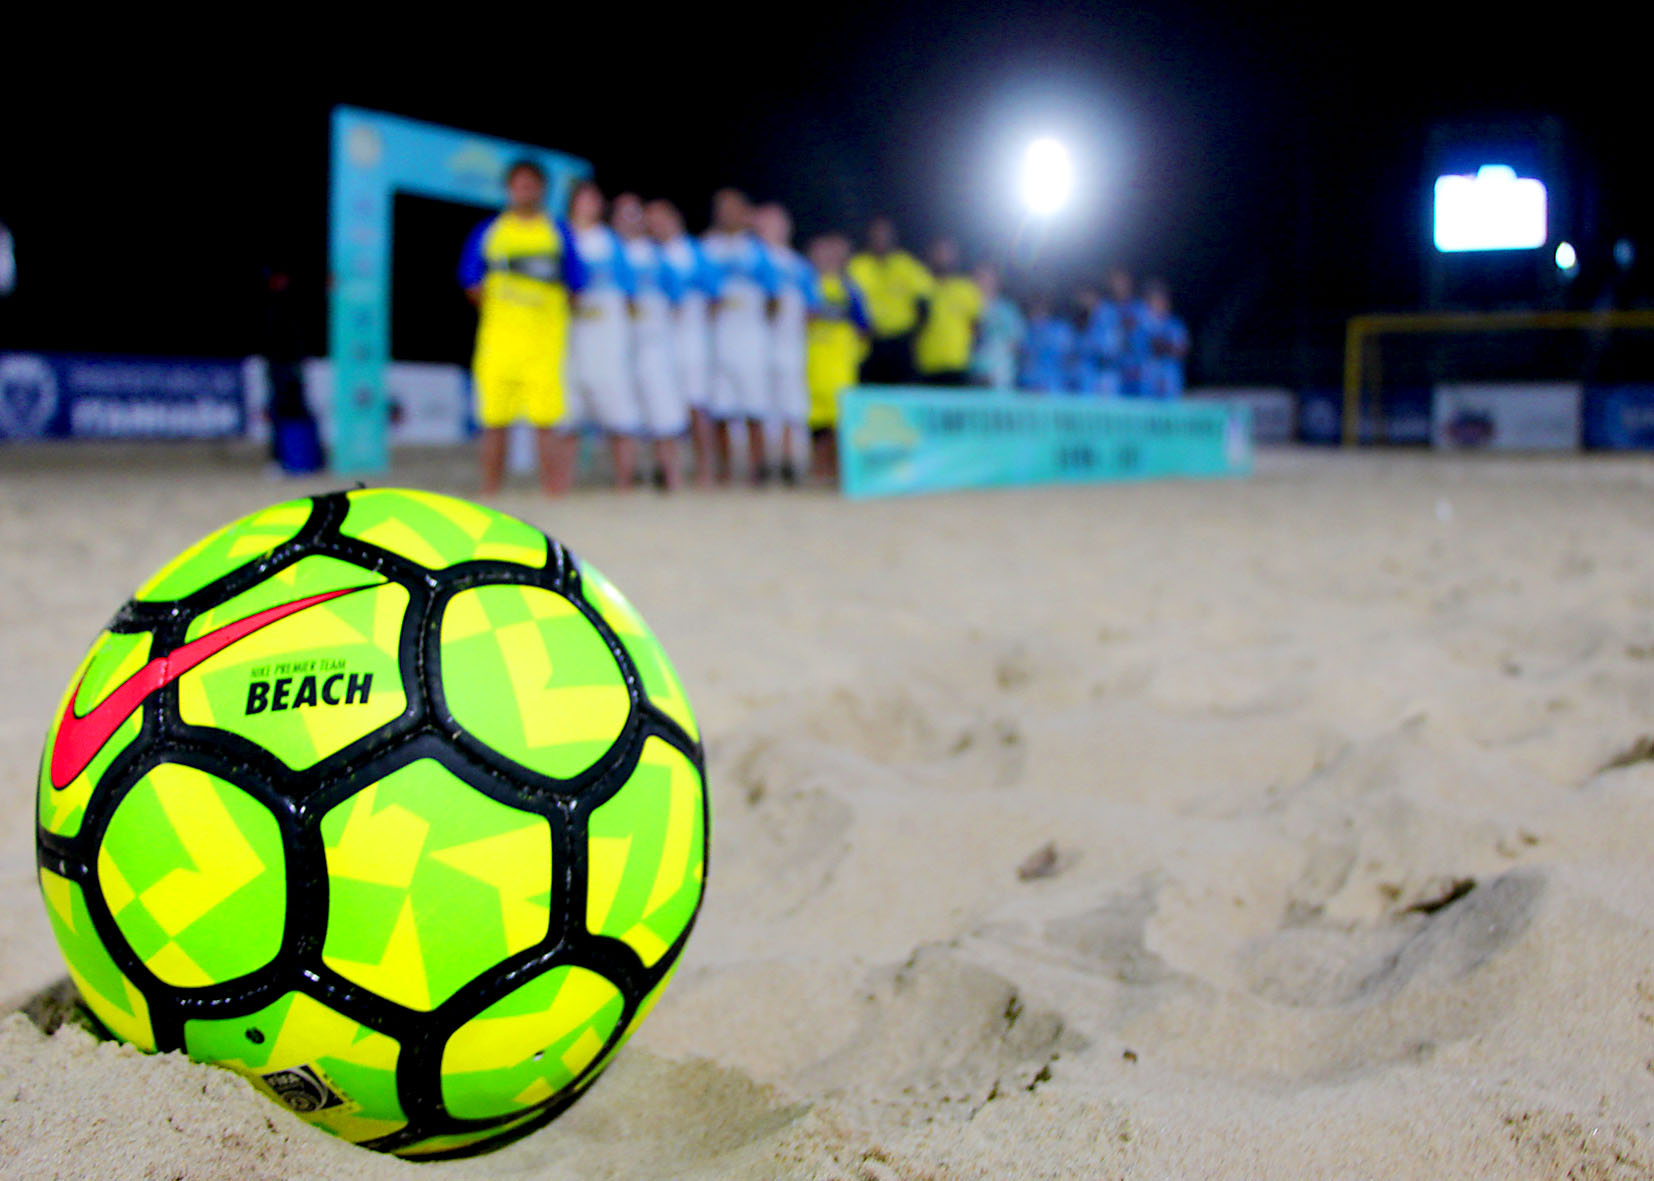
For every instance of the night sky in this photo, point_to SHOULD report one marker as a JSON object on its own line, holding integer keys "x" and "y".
{"x": 1271, "y": 165}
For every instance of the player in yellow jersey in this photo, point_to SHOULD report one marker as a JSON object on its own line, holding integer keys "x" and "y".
{"x": 943, "y": 350}
{"x": 520, "y": 269}
{"x": 835, "y": 342}
{"x": 897, "y": 288}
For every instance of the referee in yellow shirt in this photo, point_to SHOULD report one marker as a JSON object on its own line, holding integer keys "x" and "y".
{"x": 943, "y": 349}
{"x": 897, "y": 289}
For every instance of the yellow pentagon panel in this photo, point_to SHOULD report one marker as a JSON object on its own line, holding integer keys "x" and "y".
{"x": 647, "y": 854}
{"x": 439, "y": 531}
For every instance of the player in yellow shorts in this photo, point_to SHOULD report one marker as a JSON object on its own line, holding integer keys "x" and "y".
{"x": 519, "y": 268}
{"x": 834, "y": 345}
{"x": 942, "y": 351}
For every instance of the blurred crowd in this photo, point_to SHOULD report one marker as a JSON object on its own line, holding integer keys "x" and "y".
{"x": 615, "y": 318}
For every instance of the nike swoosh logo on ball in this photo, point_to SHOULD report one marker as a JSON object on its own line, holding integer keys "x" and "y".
{"x": 81, "y": 736}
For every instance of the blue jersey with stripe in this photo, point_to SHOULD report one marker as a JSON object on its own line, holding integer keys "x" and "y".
{"x": 652, "y": 278}
{"x": 746, "y": 276}
{"x": 693, "y": 271}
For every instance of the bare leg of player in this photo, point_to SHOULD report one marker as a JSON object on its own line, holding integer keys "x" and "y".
{"x": 757, "y": 461}
{"x": 624, "y": 450}
{"x": 721, "y": 453}
{"x": 789, "y": 472}
{"x": 666, "y": 456}
{"x": 493, "y": 459}
{"x": 556, "y": 461}
{"x": 703, "y": 441}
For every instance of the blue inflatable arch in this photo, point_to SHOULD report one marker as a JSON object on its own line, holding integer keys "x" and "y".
{"x": 374, "y": 157}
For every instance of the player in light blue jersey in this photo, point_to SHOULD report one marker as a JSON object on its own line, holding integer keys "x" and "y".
{"x": 1127, "y": 312}
{"x": 602, "y": 391}
{"x": 1100, "y": 347}
{"x": 740, "y": 329}
{"x": 655, "y": 293}
{"x": 1048, "y": 350}
{"x": 797, "y": 297}
{"x": 697, "y": 281}
{"x": 1165, "y": 343}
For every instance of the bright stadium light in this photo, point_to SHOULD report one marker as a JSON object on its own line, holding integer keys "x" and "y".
{"x": 1493, "y": 210}
{"x": 1047, "y": 176}
{"x": 1567, "y": 258}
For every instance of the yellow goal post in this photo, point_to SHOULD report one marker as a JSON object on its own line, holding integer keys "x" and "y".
{"x": 1363, "y": 331}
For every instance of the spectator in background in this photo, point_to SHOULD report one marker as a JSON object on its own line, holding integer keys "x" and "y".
{"x": 663, "y": 411}
{"x": 697, "y": 283}
{"x": 602, "y": 391}
{"x": 942, "y": 350}
{"x": 1048, "y": 353}
{"x": 1122, "y": 316}
{"x": 740, "y": 330}
{"x": 520, "y": 268}
{"x": 837, "y": 338}
{"x": 1001, "y": 332}
{"x": 795, "y": 298}
{"x": 8, "y": 262}
{"x": 897, "y": 289}
{"x": 1166, "y": 343}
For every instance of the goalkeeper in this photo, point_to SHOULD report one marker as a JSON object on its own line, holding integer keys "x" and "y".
{"x": 519, "y": 267}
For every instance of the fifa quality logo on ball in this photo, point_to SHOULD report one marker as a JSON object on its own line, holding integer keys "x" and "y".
{"x": 386, "y": 802}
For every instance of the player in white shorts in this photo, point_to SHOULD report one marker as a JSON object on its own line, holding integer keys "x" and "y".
{"x": 601, "y": 390}
{"x": 740, "y": 328}
{"x": 665, "y": 414}
{"x": 697, "y": 283}
{"x": 795, "y": 298}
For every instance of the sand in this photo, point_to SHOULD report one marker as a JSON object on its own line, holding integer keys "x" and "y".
{"x": 1286, "y": 827}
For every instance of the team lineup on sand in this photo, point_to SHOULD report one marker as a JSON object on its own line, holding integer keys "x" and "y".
{"x": 1290, "y": 827}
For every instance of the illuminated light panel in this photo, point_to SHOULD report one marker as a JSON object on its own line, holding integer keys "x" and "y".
{"x": 1493, "y": 210}
{"x": 1047, "y": 176}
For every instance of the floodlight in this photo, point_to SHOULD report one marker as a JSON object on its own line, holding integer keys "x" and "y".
{"x": 1567, "y": 258}
{"x": 1493, "y": 210}
{"x": 1047, "y": 176}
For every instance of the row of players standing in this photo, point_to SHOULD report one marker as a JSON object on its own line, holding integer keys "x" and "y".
{"x": 631, "y": 326}
{"x": 636, "y": 328}
{"x": 940, "y": 326}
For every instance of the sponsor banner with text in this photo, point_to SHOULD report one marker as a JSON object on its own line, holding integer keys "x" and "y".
{"x": 72, "y": 395}
{"x": 896, "y": 440}
{"x": 1619, "y": 417}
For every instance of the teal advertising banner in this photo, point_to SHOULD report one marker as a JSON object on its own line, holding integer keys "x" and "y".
{"x": 375, "y": 156}
{"x": 895, "y": 440}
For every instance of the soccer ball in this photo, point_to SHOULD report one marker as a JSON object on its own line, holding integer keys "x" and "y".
{"x": 386, "y": 802}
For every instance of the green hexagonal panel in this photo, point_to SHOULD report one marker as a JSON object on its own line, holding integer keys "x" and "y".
{"x": 113, "y": 999}
{"x": 233, "y": 546}
{"x": 191, "y": 867}
{"x": 327, "y": 1069}
{"x": 529, "y": 1045}
{"x": 528, "y": 675}
{"x": 660, "y": 679}
{"x": 440, "y": 531}
{"x": 430, "y": 883}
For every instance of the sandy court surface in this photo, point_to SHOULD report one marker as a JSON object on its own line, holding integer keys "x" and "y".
{"x": 1332, "y": 793}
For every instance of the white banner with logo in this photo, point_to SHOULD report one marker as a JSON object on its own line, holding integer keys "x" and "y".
{"x": 1507, "y": 416}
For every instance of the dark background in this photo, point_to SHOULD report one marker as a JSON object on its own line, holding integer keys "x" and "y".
{"x": 1270, "y": 164}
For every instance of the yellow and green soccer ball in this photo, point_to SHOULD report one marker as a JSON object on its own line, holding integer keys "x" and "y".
{"x": 386, "y": 802}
